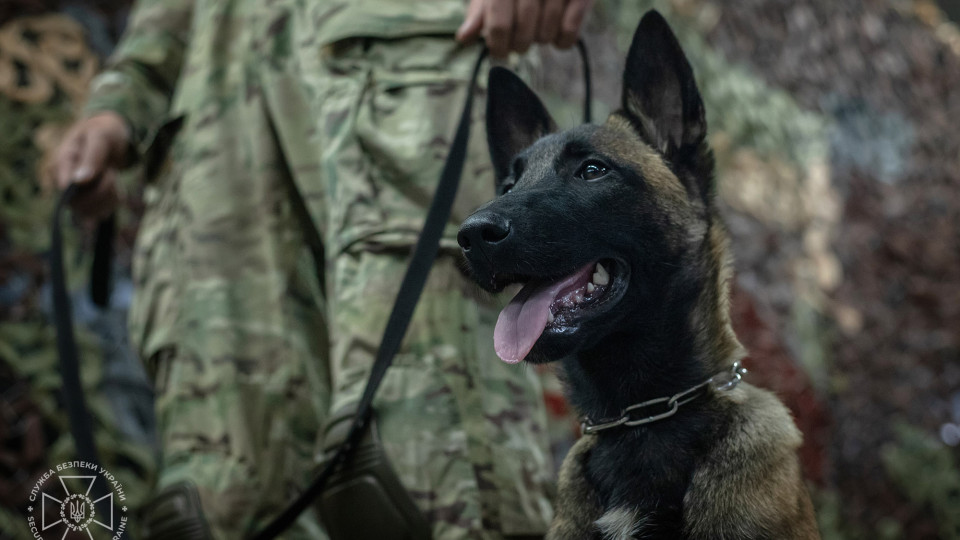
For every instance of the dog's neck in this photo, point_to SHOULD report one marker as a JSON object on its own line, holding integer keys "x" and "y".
{"x": 666, "y": 350}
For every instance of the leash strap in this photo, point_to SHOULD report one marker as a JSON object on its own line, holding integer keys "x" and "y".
{"x": 77, "y": 413}
{"x": 101, "y": 273}
{"x": 587, "y": 90}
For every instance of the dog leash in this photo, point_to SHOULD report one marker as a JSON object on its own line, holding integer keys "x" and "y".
{"x": 631, "y": 416}
{"x": 69, "y": 356}
{"x": 425, "y": 252}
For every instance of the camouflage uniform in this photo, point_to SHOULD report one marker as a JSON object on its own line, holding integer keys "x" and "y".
{"x": 248, "y": 350}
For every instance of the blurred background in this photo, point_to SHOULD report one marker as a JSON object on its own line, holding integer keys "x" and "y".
{"x": 835, "y": 126}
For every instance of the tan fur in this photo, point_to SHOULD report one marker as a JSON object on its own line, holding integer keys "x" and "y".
{"x": 712, "y": 315}
{"x": 751, "y": 486}
{"x": 576, "y": 507}
{"x": 621, "y": 524}
{"x": 620, "y": 139}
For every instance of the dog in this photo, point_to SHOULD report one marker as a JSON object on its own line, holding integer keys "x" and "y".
{"x": 614, "y": 233}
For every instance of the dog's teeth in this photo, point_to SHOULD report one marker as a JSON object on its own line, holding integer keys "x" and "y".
{"x": 591, "y": 287}
{"x": 550, "y": 318}
{"x": 601, "y": 277}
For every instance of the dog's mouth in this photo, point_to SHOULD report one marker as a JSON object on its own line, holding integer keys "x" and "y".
{"x": 556, "y": 305}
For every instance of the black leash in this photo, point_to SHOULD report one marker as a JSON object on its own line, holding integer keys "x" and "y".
{"x": 425, "y": 252}
{"x": 587, "y": 90}
{"x": 77, "y": 413}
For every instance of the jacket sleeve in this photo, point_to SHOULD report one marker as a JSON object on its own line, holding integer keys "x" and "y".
{"x": 141, "y": 75}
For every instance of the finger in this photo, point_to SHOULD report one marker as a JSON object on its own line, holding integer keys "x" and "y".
{"x": 572, "y": 20}
{"x": 525, "y": 25}
{"x": 498, "y": 26}
{"x": 68, "y": 156}
{"x": 93, "y": 157}
{"x": 551, "y": 13}
{"x": 472, "y": 23}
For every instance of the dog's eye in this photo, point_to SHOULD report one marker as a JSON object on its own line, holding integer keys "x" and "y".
{"x": 507, "y": 185}
{"x": 591, "y": 170}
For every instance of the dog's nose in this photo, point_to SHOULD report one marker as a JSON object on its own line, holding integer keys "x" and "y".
{"x": 485, "y": 228}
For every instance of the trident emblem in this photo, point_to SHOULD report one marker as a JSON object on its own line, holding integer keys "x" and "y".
{"x": 77, "y": 511}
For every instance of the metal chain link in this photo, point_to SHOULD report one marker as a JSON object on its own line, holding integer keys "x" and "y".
{"x": 630, "y": 416}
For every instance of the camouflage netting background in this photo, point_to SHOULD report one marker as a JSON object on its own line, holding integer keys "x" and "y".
{"x": 46, "y": 62}
{"x": 834, "y": 124}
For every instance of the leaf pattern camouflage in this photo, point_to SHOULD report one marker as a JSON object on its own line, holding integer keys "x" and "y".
{"x": 249, "y": 351}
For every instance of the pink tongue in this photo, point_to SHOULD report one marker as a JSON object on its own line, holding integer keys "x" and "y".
{"x": 523, "y": 320}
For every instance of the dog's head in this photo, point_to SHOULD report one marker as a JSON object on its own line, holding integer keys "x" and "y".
{"x": 599, "y": 221}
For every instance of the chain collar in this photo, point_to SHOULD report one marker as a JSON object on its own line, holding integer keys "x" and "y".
{"x": 631, "y": 416}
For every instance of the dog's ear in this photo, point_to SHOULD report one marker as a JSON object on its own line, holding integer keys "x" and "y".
{"x": 515, "y": 119}
{"x": 659, "y": 92}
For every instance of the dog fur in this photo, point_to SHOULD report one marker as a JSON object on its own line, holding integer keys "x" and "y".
{"x": 637, "y": 193}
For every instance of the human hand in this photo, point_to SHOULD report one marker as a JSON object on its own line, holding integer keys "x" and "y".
{"x": 90, "y": 155}
{"x": 513, "y": 25}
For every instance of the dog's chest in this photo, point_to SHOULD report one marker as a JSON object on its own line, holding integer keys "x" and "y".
{"x": 641, "y": 479}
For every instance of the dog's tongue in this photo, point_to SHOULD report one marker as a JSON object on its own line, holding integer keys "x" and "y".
{"x": 523, "y": 320}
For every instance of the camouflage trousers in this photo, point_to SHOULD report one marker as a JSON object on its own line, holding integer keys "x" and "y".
{"x": 250, "y": 353}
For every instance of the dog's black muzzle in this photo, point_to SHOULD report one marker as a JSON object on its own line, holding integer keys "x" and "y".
{"x": 485, "y": 231}
{"x": 484, "y": 238}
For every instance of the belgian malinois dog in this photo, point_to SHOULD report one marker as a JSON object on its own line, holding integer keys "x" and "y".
{"x": 614, "y": 233}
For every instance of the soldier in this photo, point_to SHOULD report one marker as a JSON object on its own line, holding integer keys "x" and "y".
{"x": 238, "y": 108}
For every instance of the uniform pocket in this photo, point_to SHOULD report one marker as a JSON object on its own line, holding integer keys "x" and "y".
{"x": 405, "y": 127}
